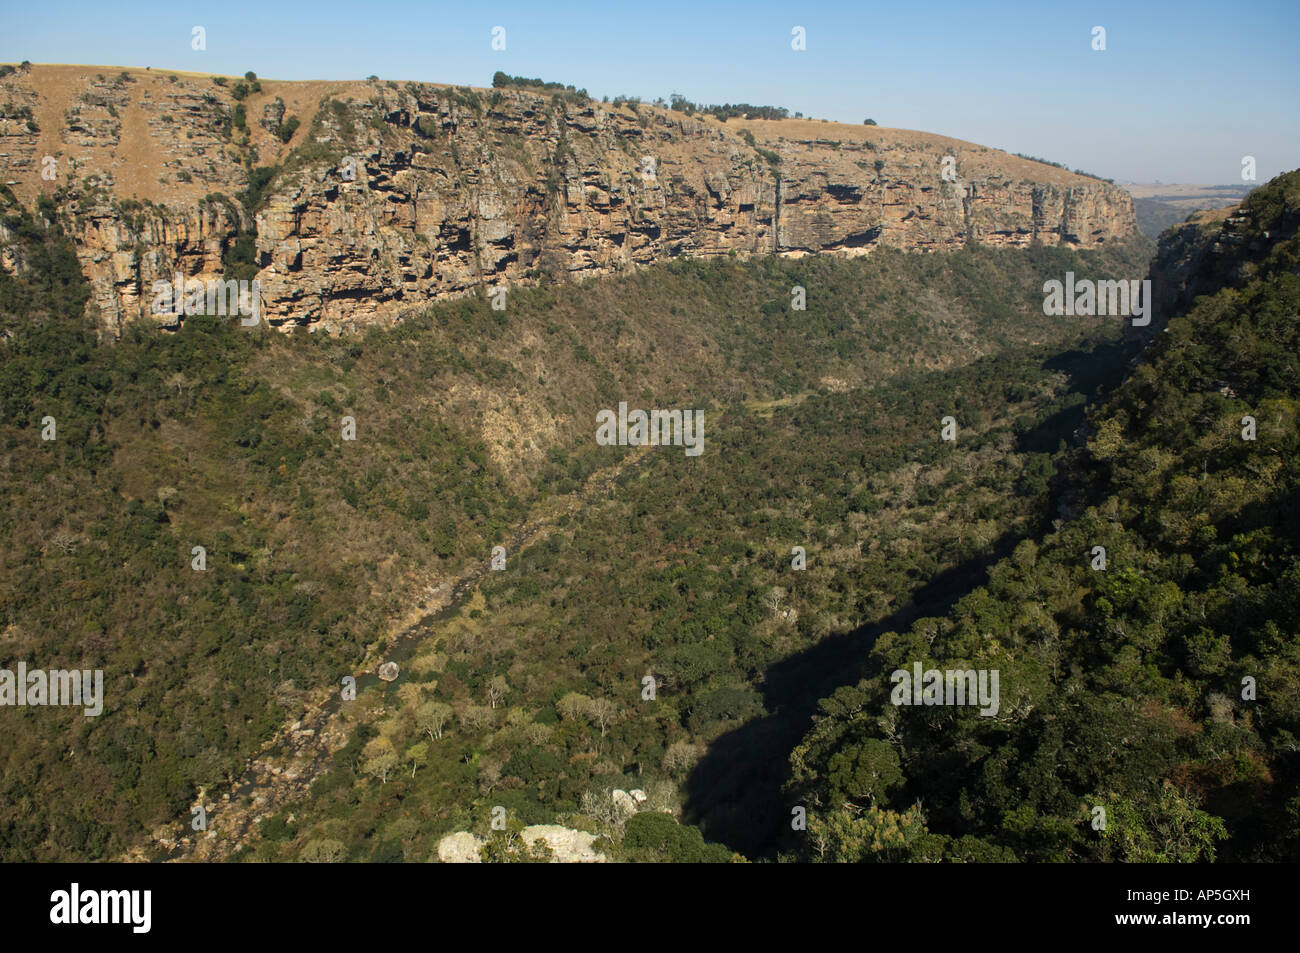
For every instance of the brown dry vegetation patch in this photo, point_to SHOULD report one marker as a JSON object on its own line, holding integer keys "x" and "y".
{"x": 972, "y": 158}
{"x": 137, "y": 161}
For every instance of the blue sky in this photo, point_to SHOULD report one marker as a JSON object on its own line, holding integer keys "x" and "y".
{"x": 1181, "y": 93}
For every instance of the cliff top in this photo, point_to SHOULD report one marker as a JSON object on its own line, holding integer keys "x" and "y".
{"x": 53, "y": 92}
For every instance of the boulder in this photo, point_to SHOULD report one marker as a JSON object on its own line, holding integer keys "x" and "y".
{"x": 459, "y": 848}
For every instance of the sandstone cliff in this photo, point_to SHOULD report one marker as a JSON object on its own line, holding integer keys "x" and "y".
{"x": 391, "y": 194}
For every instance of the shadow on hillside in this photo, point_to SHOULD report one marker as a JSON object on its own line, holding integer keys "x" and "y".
{"x": 734, "y": 793}
{"x": 1099, "y": 368}
{"x": 1091, "y": 374}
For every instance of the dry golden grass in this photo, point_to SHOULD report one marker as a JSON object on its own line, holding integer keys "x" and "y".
{"x": 138, "y": 161}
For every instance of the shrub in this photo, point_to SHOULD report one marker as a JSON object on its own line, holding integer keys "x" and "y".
{"x": 652, "y": 836}
{"x": 324, "y": 851}
{"x": 569, "y": 93}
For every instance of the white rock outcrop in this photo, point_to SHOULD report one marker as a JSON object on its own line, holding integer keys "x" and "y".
{"x": 567, "y": 846}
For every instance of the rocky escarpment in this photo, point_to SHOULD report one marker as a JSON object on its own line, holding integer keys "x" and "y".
{"x": 1213, "y": 250}
{"x": 393, "y": 194}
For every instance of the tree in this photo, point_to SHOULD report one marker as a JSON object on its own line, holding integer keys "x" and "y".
{"x": 417, "y": 755}
{"x": 323, "y": 851}
{"x": 475, "y": 717}
{"x": 380, "y": 757}
{"x": 875, "y": 835}
{"x": 774, "y": 599}
{"x": 680, "y": 757}
{"x": 603, "y": 712}
{"x": 1164, "y": 827}
{"x": 537, "y": 734}
{"x": 865, "y": 773}
{"x": 572, "y": 706}
{"x": 598, "y": 804}
{"x": 658, "y": 837}
{"x": 432, "y": 718}
{"x": 497, "y": 689}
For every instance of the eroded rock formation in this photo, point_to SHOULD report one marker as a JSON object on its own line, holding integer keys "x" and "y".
{"x": 391, "y": 195}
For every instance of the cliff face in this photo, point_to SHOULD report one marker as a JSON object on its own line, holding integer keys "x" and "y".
{"x": 1214, "y": 250}
{"x": 389, "y": 195}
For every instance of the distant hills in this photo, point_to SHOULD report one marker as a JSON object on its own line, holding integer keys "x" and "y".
{"x": 1160, "y": 205}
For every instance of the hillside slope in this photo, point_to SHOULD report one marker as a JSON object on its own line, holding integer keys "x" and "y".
{"x": 474, "y": 427}
{"x": 1150, "y": 701}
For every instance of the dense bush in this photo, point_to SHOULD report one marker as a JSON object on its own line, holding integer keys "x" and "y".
{"x": 1131, "y": 689}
